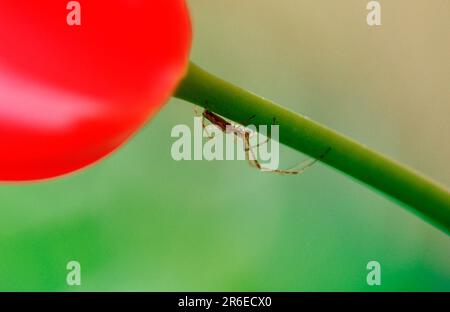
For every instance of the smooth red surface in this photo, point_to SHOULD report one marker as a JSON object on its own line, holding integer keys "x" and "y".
{"x": 70, "y": 95}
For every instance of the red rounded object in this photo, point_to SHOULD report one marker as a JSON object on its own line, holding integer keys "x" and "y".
{"x": 71, "y": 94}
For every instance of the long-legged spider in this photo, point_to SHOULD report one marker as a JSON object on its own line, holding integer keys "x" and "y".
{"x": 245, "y": 134}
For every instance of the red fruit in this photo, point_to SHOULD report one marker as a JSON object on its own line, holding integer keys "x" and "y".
{"x": 70, "y": 95}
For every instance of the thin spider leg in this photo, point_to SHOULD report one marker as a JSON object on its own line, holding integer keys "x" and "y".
{"x": 205, "y": 128}
{"x": 196, "y": 111}
{"x": 262, "y": 143}
{"x": 253, "y": 133}
{"x": 239, "y": 133}
{"x": 302, "y": 166}
{"x": 253, "y": 161}
{"x": 297, "y": 169}
{"x": 198, "y": 114}
{"x": 249, "y": 153}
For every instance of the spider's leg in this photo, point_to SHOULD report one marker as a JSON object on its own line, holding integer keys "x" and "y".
{"x": 249, "y": 153}
{"x": 205, "y": 128}
{"x": 297, "y": 169}
{"x": 262, "y": 143}
{"x": 196, "y": 111}
{"x": 302, "y": 166}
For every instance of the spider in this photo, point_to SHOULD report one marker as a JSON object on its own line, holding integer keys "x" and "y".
{"x": 245, "y": 134}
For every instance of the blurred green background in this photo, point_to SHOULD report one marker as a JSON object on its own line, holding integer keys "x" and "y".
{"x": 141, "y": 221}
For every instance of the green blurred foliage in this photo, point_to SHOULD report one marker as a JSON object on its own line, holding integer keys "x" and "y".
{"x": 141, "y": 221}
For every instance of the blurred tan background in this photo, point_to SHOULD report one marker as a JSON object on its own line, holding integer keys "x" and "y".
{"x": 388, "y": 86}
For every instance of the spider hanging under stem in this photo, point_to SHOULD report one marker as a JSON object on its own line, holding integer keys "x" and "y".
{"x": 245, "y": 134}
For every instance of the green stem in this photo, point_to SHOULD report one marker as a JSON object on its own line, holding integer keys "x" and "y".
{"x": 424, "y": 196}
